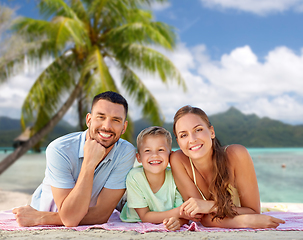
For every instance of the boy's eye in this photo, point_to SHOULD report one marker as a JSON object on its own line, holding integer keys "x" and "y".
{"x": 146, "y": 150}
{"x": 161, "y": 150}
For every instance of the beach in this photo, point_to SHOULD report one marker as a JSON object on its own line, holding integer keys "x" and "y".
{"x": 20, "y": 180}
{"x": 104, "y": 234}
{"x": 9, "y": 200}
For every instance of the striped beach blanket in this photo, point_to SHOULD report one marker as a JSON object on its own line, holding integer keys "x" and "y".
{"x": 293, "y": 221}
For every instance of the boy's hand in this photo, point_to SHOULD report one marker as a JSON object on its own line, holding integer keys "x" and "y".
{"x": 172, "y": 223}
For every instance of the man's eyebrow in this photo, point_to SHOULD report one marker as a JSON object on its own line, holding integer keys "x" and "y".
{"x": 115, "y": 117}
{"x": 118, "y": 118}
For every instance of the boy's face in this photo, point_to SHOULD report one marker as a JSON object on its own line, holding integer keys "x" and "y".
{"x": 154, "y": 154}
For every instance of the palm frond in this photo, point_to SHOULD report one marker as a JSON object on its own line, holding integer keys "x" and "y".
{"x": 149, "y": 60}
{"x": 140, "y": 32}
{"x": 47, "y": 92}
{"x": 142, "y": 96}
{"x": 66, "y": 31}
{"x": 51, "y": 8}
{"x": 79, "y": 9}
{"x": 99, "y": 79}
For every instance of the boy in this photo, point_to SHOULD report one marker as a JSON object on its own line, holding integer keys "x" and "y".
{"x": 152, "y": 195}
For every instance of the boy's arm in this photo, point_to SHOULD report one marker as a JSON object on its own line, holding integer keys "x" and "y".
{"x": 156, "y": 217}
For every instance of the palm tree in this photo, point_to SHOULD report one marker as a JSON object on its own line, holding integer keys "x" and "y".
{"x": 85, "y": 37}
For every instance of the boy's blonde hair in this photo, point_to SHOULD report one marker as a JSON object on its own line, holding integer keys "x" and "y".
{"x": 154, "y": 131}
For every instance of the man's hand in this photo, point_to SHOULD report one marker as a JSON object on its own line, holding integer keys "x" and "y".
{"x": 28, "y": 217}
{"x": 94, "y": 152}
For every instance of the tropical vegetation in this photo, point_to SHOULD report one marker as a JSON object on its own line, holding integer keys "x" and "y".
{"x": 87, "y": 39}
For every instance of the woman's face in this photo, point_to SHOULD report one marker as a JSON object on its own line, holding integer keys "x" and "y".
{"x": 194, "y": 136}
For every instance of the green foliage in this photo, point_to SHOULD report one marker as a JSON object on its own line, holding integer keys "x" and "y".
{"x": 252, "y": 131}
{"x": 84, "y": 37}
{"x": 233, "y": 127}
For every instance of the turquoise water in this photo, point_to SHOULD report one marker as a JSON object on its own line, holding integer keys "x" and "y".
{"x": 276, "y": 184}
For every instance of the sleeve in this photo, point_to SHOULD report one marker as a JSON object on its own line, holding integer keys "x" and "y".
{"x": 125, "y": 161}
{"x": 58, "y": 169}
{"x": 135, "y": 194}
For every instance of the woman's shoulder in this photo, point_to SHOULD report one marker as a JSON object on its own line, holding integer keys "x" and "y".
{"x": 178, "y": 156}
{"x": 235, "y": 148}
{"x": 236, "y": 153}
{"x": 179, "y": 160}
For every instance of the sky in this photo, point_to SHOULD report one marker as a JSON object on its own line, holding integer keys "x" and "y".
{"x": 242, "y": 53}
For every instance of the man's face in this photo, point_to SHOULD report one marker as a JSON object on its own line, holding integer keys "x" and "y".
{"x": 106, "y": 123}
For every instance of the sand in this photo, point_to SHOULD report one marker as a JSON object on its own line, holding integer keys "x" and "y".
{"x": 8, "y": 200}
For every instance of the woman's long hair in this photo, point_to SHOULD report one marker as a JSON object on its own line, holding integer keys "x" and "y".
{"x": 219, "y": 186}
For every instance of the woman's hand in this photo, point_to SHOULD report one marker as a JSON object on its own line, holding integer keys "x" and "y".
{"x": 261, "y": 221}
{"x": 194, "y": 206}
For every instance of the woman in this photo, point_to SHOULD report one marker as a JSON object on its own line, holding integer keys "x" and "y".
{"x": 218, "y": 184}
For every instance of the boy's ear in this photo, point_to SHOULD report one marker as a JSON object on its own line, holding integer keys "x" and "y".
{"x": 138, "y": 157}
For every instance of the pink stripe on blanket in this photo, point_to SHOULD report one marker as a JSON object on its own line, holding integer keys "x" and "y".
{"x": 294, "y": 221}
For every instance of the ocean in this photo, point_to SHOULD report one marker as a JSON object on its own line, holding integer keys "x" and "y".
{"x": 279, "y": 172}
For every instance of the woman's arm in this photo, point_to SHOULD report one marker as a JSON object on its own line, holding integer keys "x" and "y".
{"x": 179, "y": 166}
{"x": 243, "y": 178}
{"x": 243, "y": 221}
{"x": 182, "y": 174}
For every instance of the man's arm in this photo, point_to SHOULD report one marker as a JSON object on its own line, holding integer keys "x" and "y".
{"x": 73, "y": 204}
{"x": 107, "y": 201}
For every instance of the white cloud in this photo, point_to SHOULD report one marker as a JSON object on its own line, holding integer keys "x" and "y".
{"x": 155, "y": 6}
{"x": 14, "y": 91}
{"x": 272, "y": 87}
{"x": 260, "y": 7}
{"x": 269, "y": 88}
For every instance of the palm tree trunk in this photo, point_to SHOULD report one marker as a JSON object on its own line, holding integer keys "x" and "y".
{"x": 10, "y": 159}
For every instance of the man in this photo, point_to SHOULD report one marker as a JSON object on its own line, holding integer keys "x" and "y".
{"x": 85, "y": 172}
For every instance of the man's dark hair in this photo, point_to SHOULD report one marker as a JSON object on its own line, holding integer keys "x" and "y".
{"x": 112, "y": 97}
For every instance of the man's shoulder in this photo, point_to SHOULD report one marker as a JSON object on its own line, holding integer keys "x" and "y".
{"x": 125, "y": 144}
{"x": 66, "y": 141}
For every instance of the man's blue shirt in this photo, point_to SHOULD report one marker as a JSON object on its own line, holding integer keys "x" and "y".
{"x": 64, "y": 158}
